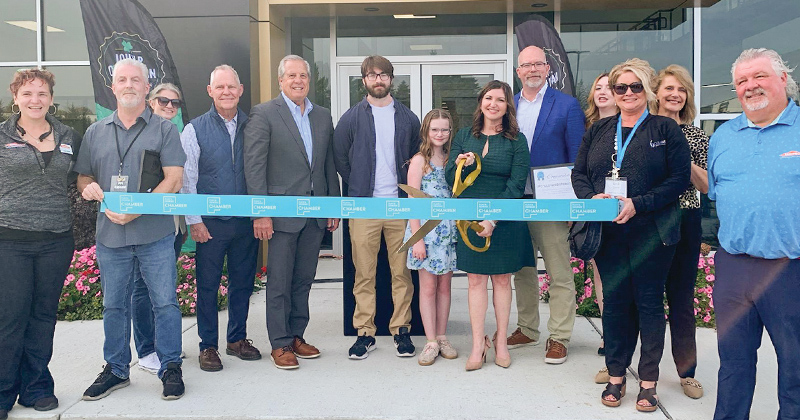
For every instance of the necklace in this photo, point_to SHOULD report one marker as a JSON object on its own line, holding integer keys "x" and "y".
{"x": 22, "y": 132}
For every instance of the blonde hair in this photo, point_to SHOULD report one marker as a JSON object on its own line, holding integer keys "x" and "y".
{"x": 592, "y": 111}
{"x": 642, "y": 70}
{"x": 689, "y": 111}
{"x": 778, "y": 65}
{"x": 425, "y": 147}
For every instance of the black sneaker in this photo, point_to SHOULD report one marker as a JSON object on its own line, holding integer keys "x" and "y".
{"x": 46, "y": 403}
{"x": 402, "y": 341}
{"x": 360, "y": 350}
{"x": 173, "y": 382}
{"x": 3, "y": 414}
{"x": 105, "y": 384}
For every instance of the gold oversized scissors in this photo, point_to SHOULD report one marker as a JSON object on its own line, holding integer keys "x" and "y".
{"x": 462, "y": 225}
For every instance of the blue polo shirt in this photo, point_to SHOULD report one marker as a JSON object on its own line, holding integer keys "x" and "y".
{"x": 754, "y": 176}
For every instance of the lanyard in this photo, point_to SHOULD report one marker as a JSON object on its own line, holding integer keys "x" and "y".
{"x": 119, "y": 153}
{"x": 621, "y": 150}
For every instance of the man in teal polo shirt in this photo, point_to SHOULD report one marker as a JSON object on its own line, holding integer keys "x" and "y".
{"x": 754, "y": 176}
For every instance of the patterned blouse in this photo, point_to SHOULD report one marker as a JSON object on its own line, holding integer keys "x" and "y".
{"x": 698, "y": 144}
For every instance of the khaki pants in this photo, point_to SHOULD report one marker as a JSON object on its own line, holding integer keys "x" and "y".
{"x": 550, "y": 238}
{"x": 365, "y": 237}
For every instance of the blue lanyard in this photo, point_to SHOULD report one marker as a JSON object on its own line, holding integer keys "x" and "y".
{"x": 618, "y": 139}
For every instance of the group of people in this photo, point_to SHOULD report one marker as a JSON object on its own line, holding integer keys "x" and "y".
{"x": 289, "y": 146}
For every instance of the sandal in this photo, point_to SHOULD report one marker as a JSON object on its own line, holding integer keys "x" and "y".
{"x": 648, "y": 395}
{"x": 615, "y": 390}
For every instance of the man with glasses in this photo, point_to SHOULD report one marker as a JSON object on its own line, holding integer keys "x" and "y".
{"x": 214, "y": 145}
{"x": 553, "y": 124}
{"x": 372, "y": 143}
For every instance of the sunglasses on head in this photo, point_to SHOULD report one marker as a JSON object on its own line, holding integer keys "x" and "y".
{"x": 176, "y": 103}
{"x": 621, "y": 88}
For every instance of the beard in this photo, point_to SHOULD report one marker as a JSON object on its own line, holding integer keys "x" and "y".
{"x": 759, "y": 103}
{"x": 534, "y": 84}
{"x": 379, "y": 94}
{"x": 129, "y": 101}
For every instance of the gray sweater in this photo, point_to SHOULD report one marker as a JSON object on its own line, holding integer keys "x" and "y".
{"x": 33, "y": 195}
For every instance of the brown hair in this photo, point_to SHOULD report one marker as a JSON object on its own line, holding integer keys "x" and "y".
{"x": 510, "y": 127}
{"x": 425, "y": 148}
{"x": 592, "y": 112}
{"x": 28, "y": 75}
{"x": 376, "y": 62}
{"x": 689, "y": 111}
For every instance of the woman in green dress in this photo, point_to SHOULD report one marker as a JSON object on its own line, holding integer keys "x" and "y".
{"x": 503, "y": 150}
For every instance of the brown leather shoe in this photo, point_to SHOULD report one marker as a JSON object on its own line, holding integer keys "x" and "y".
{"x": 283, "y": 358}
{"x": 304, "y": 350}
{"x": 519, "y": 339}
{"x": 244, "y": 350}
{"x": 556, "y": 352}
{"x": 209, "y": 360}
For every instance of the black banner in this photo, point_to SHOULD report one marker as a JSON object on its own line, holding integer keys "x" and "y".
{"x": 539, "y": 32}
{"x": 120, "y": 29}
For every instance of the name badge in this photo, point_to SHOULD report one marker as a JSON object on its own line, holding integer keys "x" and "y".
{"x": 65, "y": 149}
{"x": 14, "y": 145}
{"x": 119, "y": 183}
{"x": 617, "y": 187}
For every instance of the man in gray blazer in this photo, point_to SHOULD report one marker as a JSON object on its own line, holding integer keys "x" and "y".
{"x": 288, "y": 150}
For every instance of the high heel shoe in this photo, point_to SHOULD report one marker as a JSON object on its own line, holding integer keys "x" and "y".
{"x": 617, "y": 391}
{"x": 477, "y": 365}
{"x": 503, "y": 362}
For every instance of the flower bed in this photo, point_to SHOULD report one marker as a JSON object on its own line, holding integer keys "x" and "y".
{"x": 586, "y": 299}
{"x": 82, "y": 297}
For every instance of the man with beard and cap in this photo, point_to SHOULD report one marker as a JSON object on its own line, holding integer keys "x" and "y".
{"x": 372, "y": 142}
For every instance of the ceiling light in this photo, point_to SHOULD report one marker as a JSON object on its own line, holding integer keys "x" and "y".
{"x": 31, "y": 25}
{"x": 371, "y": 9}
{"x": 539, "y": 5}
{"x": 414, "y": 16}
{"x": 425, "y": 47}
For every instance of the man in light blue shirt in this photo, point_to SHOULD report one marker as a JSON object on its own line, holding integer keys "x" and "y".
{"x": 754, "y": 176}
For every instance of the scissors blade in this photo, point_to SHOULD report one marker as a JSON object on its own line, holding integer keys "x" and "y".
{"x": 419, "y": 234}
{"x": 413, "y": 192}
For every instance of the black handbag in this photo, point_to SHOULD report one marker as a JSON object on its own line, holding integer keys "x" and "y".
{"x": 584, "y": 239}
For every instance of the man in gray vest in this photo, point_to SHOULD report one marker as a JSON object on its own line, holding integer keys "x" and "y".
{"x": 289, "y": 151}
{"x": 214, "y": 148}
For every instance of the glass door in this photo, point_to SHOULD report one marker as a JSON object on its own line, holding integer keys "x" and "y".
{"x": 405, "y": 86}
{"x": 455, "y": 87}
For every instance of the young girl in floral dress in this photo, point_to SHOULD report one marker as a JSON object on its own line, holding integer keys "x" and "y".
{"x": 435, "y": 255}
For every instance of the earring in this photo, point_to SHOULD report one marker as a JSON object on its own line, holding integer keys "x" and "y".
{"x": 55, "y": 109}
{"x": 17, "y": 111}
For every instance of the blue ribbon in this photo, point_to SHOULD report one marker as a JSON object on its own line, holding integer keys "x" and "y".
{"x": 621, "y": 150}
{"x": 360, "y": 208}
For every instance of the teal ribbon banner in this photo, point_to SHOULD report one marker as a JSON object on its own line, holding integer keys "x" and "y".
{"x": 360, "y": 208}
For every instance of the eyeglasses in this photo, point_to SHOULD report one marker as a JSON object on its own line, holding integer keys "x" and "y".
{"x": 539, "y": 65}
{"x": 440, "y": 130}
{"x": 622, "y": 88}
{"x": 176, "y": 103}
{"x": 383, "y": 76}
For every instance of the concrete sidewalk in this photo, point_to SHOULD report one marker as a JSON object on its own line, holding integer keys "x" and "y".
{"x": 383, "y": 385}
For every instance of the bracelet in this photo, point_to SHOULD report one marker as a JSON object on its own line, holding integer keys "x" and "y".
{"x": 493, "y": 223}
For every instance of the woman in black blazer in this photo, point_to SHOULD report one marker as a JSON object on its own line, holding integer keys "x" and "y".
{"x": 642, "y": 160}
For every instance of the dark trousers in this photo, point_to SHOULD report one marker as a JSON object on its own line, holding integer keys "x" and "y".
{"x": 31, "y": 278}
{"x": 232, "y": 238}
{"x": 633, "y": 266}
{"x": 680, "y": 293}
{"x": 749, "y": 294}
{"x": 142, "y": 310}
{"x": 291, "y": 268}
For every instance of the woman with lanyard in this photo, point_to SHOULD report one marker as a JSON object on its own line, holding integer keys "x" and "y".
{"x": 643, "y": 161}
{"x": 36, "y": 245}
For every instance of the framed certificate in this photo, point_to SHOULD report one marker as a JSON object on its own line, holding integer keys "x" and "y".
{"x": 553, "y": 182}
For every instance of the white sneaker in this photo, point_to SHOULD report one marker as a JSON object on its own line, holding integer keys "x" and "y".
{"x": 150, "y": 363}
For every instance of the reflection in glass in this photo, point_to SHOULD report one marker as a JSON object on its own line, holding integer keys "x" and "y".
{"x": 458, "y": 94}
{"x": 442, "y": 35}
{"x": 18, "y": 30}
{"x": 311, "y": 40}
{"x": 74, "y": 96}
{"x": 731, "y": 26}
{"x": 65, "y": 39}
{"x": 401, "y": 89}
{"x": 661, "y": 37}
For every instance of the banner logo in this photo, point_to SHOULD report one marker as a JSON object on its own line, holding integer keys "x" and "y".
{"x": 578, "y": 210}
{"x": 121, "y": 45}
{"x": 304, "y": 206}
{"x": 393, "y": 208}
{"x": 531, "y": 209}
{"x": 349, "y": 207}
{"x": 259, "y": 206}
{"x": 126, "y": 203}
{"x": 214, "y": 204}
{"x": 438, "y": 208}
{"x": 170, "y": 202}
{"x": 485, "y": 209}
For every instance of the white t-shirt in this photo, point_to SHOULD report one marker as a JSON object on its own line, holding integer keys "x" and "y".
{"x": 385, "y": 166}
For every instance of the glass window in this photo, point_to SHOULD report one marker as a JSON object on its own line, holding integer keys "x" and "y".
{"x": 64, "y": 39}
{"x": 310, "y": 39}
{"x": 401, "y": 89}
{"x": 74, "y": 96}
{"x": 457, "y": 93}
{"x": 6, "y": 100}
{"x": 18, "y": 30}
{"x": 597, "y": 40}
{"x": 519, "y": 18}
{"x": 710, "y": 222}
{"x": 731, "y": 26}
{"x": 442, "y": 35}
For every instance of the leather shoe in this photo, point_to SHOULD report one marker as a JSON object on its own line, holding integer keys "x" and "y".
{"x": 304, "y": 350}
{"x": 244, "y": 350}
{"x": 209, "y": 360}
{"x": 556, "y": 352}
{"x": 283, "y": 358}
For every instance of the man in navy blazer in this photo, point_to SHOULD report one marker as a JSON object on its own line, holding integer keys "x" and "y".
{"x": 553, "y": 124}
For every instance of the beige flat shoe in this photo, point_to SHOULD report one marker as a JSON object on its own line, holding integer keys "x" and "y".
{"x": 602, "y": 376}
{"x": 692, "y": 388}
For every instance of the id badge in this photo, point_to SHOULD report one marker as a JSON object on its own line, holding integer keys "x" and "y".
{"x": 119, "y": 183}
{"x": 617, "y": 187}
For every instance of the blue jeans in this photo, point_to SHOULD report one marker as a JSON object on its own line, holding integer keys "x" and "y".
{"x": 118, "y": 272}
{"x": 142, "y": 310}
{"x": 751, "y": 294}
{"x": 31, "y": 277}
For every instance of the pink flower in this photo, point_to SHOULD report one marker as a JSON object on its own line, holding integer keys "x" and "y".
{"x": 97, "y": 271}
{"x": 701, "y": 263}
{"x": 98, "y": 294}
{"x": 66, "y": 282}
{"x": 92, "y": 280}
{"x": 70, "y": 277}
{"x": 192, "y": 305}
{"x": 710, "y": 277}
{"x": 710, "y": 260}
{"x": 707, "y": 318}
{"x": 575, "y": 270}
{"x": 191, "y": 310}
{"x": 90, "y": 262}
